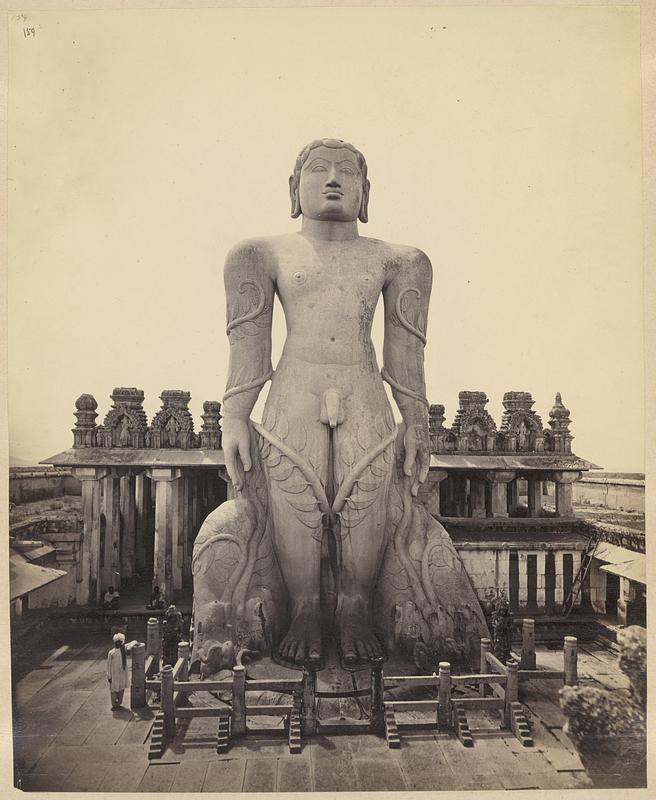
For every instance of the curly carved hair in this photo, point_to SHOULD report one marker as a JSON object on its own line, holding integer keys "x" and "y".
{"x": 302, "y": 157}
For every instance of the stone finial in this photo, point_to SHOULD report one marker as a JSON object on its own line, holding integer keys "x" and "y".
{"x": 521, "y": 427}
{"x": 84, "y": 432}
{"x": 559, "y": 421}
{"x": 125, "y": 424}
{"x": 473, "y": 425}
{"x": 173, "y": 425}
{"x": 210, "y": 434}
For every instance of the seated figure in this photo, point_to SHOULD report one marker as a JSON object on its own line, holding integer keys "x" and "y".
{"x": 325, "y": 539}
{"x": 157, "y": 600}
{"x": 110, "y": 598}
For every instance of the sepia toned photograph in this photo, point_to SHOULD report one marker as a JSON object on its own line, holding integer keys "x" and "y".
{"x": 326, "y": 400}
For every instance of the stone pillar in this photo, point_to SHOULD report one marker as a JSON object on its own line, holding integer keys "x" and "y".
{"x": 523, "y": 579}
{"x": 138, "y": 679}
{"x": 187, "y": 526}
{"x": 564, "y": 481}
{"x": 559, "y": 593}
{"x": 534, "y": 497}
{"x": 429, "y": 492}
{"x": 142, "y": 512}
{"x": 128, "y": 526}
{"x": 497, "y": 480}
{"x": 542, "y": 571}
{"x": 88, "y": 585}
{"x": 512, "y": 495}
{"x": 112, "y": 510}
{"x": 460, "y": 494}
{"x": 164, "y": 479}
{"x": 576, "y": 566}
{"x": 477, "y": 497}
{"x": 177, "y": 532}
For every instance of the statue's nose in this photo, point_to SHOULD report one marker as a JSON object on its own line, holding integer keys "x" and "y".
{"x": 333, "y": 181}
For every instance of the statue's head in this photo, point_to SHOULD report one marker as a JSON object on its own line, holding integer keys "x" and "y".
{"x": 329, "y": 182}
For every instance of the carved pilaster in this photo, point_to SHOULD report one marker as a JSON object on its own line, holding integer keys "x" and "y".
{"x": 436, "y": 429}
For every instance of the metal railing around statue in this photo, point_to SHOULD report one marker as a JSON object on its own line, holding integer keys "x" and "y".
{"x": 498, "y": 690}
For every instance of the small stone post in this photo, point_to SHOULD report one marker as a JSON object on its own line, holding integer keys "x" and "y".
{"x": 309, "y": 713}
{"x": 153, "y": 644}
{"x": 512, "y": 691}
{"x": 377, "y": 708}
{"x": 183, "y": 653}
{"x": 570, "y": 648}
{"x": 528, "y": 644}
{"x": 238, "y": 700}
{"x": 138, "y": 684}
{"x": 167, "y": 701}
{"x": 485, "y": 649}
{"x": 444, "y": 696}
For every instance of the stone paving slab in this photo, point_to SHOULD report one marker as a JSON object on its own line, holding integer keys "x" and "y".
{"x": 124, "y": 777}
{"x": 225, "y": 776}
{"x": 294, "y": 775}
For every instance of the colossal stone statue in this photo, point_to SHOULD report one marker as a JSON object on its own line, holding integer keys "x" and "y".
{"x": 324, "y": 540}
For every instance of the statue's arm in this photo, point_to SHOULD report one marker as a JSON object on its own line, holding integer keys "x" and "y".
{"x": 406, "y": 295}
{"x": 249, "y": 289}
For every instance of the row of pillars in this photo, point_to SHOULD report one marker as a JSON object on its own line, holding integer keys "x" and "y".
{"x": 119, "y": 502}
{"x": 494, "y": 493}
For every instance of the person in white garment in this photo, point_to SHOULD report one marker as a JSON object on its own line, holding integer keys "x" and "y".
{"x": 117, "y": 670}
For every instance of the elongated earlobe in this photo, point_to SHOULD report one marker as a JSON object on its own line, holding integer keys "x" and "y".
{"x": 363, "y": 216}
{"x": 293, "y": 194}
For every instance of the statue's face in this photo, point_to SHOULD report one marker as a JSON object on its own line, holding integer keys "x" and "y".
{"x": 331, "y": 185}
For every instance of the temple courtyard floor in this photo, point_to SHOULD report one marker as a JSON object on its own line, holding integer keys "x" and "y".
{"x": 66, "y": 739}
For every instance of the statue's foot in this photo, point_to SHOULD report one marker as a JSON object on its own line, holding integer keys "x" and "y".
{"x": 357, "y": 640}
{"x": 302, "y": 642}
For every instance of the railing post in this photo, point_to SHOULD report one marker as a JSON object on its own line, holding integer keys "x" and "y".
{"x": 377, "y": 710}
{"x": 153, "y": 645}
{"x": 138, "y": 684}
{"x": 167, "y": 701}
{"x": 512, "y": 691}
{"x": 485, "y": 649}
{"x": 309, "y": 712}
{"x": 183, "y": 653}
{"x": 570, "y": 656}
{"x": 528, "y": 644}
{"x": 444, "y": 697}
{"x": 238, "y": 700}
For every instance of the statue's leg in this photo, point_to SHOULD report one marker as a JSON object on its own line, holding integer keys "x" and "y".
{"x": 298, "y": 507}
{"x": 364, "y": 459}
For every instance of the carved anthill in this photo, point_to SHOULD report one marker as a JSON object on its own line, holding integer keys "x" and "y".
{"x": 173, "y": 425}
{"x": 84, "y": 432}
{"x": 126, "y": 423}
{"x": 474, "y": 427}
{"x": 521, "y": 427}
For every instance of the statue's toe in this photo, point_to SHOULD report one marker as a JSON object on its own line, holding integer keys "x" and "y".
{"x": 315, "y": 651}
{"x": 362, "y": 650}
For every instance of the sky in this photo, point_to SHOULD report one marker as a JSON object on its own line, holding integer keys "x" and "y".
{"x": 502, "y": 141}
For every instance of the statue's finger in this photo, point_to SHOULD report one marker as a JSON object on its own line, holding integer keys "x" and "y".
{"x": 409, "y": 463}
{"x": 423, "y": 469}
{"x": 245, "y": 455}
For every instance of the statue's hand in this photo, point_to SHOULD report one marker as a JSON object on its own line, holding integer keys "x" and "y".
{"x": 417, "y": 455}
{"x": 236, "y": 449}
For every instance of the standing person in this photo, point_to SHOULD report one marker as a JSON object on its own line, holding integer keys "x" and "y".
{"x": 171, "y": 635}
{"x": 117, "y": 670}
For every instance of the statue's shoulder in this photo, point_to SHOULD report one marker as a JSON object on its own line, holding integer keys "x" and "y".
{"x": 401, "y": 257}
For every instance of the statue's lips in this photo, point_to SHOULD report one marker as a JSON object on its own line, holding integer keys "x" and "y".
{"x": 333, "y": 195}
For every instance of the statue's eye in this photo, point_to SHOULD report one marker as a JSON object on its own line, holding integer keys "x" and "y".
{"x": 318, "y": 168}
{"x": 348, "y": 171}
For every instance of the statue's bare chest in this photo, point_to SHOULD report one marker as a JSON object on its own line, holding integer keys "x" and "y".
{"x": 338, "y": 274}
